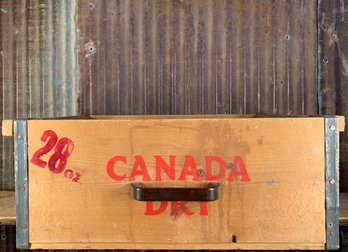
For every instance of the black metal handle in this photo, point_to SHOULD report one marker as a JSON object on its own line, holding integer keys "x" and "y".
{"x": 141, "y": 193}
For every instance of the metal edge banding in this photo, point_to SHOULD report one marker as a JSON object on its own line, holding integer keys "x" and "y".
{"x": 21, "y": 173}
{"x": 331, "y": 183}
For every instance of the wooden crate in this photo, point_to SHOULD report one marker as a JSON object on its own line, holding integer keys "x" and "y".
{"x": 175, "y": 182}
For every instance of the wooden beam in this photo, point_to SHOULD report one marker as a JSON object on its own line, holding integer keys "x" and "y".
{"x": 7, "y": 127}
{"x": 7, "y": 208}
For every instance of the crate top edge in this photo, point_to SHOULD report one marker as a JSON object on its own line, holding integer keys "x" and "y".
{"x": 7, "y": 125}
{"x": 193, "y": 116}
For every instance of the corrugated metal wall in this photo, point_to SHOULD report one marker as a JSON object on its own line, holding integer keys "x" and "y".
{"x": 333, "y": 69}
{"x": 198, "y": 57}
{"x": 61, "y": 58}
{"x": 39, "y": 66}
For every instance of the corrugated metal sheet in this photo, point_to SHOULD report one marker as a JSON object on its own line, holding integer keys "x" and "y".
{"x": 333, "y": 69}
{"x": 198, "y": 57}
{"x": 39, "y": 66}
{"x": 169, "y": 57}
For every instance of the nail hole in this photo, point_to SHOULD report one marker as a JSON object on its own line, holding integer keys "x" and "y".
{"x": 201, "y": 172}
{"x": 91, "y": 6}
{"x": 330, "y": 224}
{"x": 90, "y": 47}
{"x": 287, "y": 37}
{"x": 234, "y": 239}
{"x": 325, "y": 60}
{"x": 229, "y": 165}
{"x": 334, "y": 37}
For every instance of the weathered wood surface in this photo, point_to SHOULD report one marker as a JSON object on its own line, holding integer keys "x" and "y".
{"x": 283, "y": 203}
{"x": 7, "y": 208}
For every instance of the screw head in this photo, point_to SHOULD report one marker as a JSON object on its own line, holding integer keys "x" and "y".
{"x": 332, "y": 232}
{"x": 19, "y": 137}
{"x": 22, "y": 188}
{"x": 234, "y": 239}
{"x": 332, "y": 127}
{"x": 24, "y": 226}
{"x": 332, "y": 181}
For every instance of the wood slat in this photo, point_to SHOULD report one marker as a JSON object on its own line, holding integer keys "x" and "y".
{"x": 7, "y": 208}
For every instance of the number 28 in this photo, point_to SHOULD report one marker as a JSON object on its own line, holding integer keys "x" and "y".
{"x": 63, "y": 149}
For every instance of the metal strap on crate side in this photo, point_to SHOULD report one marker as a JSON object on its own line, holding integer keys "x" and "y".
{"x": 331, "y": 183}
{"x": 21, "y": 173}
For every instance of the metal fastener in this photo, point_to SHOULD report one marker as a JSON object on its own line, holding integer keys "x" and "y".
{"x": 234, "y": 239}
{"x": 332, "y": 232}
{"x": 332, "y": 127}
{"x": 19, "y": 137}
{"x": 332, "y": 181}
{"x": 22, "y": 189}
{"x": 24, "y": 226}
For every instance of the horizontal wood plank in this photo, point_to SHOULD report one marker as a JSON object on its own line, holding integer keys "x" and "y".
{"x": 7, "y": 208}
{"x": 183, "y": 246}
{"x": 7, "y": 127}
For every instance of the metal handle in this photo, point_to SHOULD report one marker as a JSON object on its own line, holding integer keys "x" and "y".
{"x": 141, "y": 193}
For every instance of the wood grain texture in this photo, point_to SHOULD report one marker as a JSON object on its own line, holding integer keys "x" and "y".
{"x": 8, "y": 211}
{"x": 283, "y": 202}
{"x": 182, "y": 246}
{"x": 7, "y": 208}
{"x": 344, "y": 209}
{"x": 7, "y": 127}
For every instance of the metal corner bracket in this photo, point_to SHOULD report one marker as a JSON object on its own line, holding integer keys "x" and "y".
{"x": 332, "y": 182}
{"x": 21, "y": 173}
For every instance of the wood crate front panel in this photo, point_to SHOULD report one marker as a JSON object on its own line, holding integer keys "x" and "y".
{"x": 272, "y": 190}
